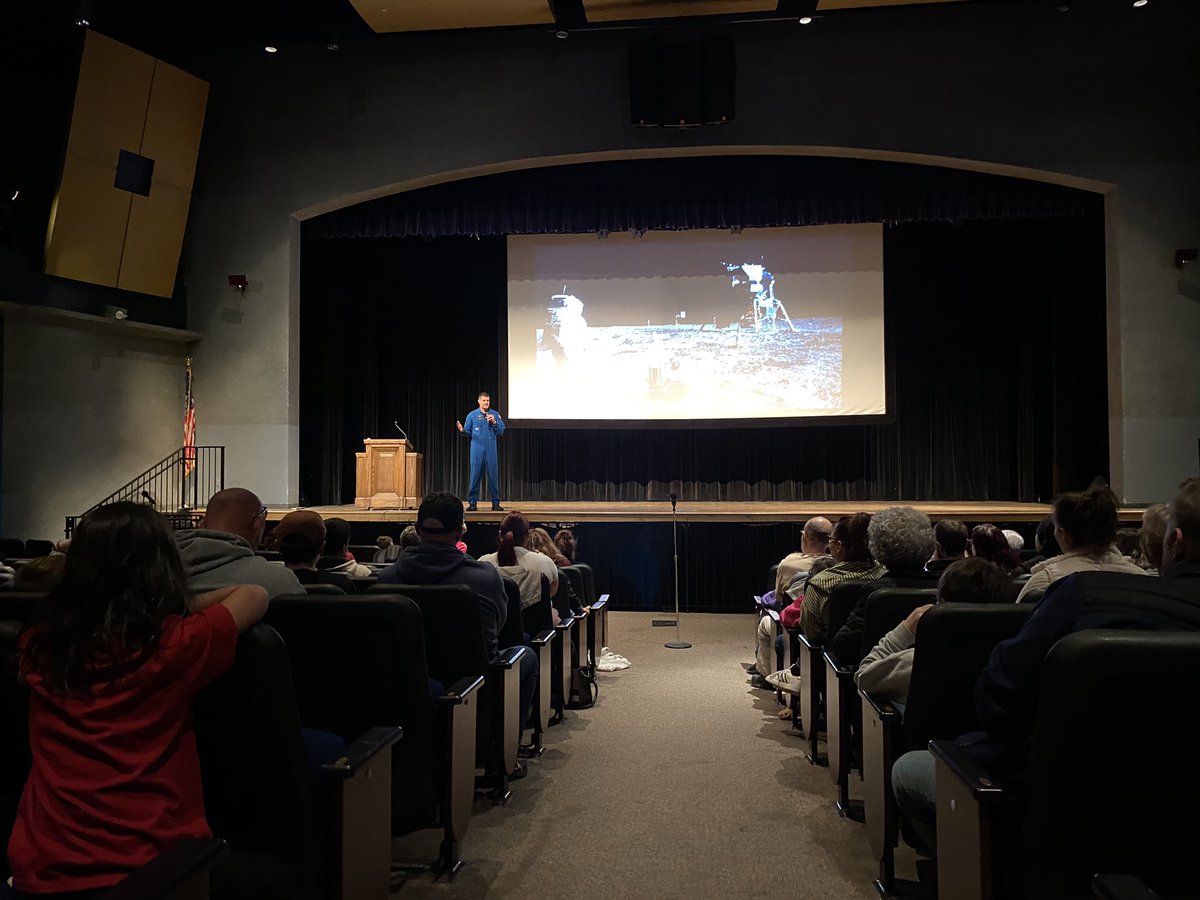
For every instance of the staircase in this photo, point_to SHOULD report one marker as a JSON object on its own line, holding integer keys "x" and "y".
{"x": 170, "y": 488}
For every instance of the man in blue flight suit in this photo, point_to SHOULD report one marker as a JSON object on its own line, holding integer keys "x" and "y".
{"x": 482, "y": 427}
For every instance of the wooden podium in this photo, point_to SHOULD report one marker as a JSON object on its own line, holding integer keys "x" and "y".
{"x": 388, "y": 475}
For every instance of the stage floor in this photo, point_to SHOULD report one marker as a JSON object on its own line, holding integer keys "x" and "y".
{"x": 762, "y": 513}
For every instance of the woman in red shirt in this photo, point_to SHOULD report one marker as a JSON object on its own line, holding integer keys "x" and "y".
{"x": 111, "y": 670}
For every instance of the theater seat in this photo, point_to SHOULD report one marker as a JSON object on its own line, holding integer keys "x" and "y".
{"x": 541, "y": 642}
{"x": 1110, "y": 785}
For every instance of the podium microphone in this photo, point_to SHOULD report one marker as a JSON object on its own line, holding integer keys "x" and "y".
{"x": 676, "y": 644}
{"x": 399, "y": 429}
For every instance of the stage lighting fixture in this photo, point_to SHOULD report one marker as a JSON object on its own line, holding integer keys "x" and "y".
{"x": 562, "y": 34}
{"x": 331, "y": 46}
{"x": 271, "y": 49}
{"x": 82, "y": 22}
{"x": 805, "y": 20}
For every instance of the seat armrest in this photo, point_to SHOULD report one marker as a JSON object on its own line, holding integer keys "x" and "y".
{"x": 363, "y": 750}
{"x": 835, "y": 666}
{"x": 169, "y": 870}
{"x": 968, "y": 770}
{"x": 457, "y": 693}
{"x": 509, "y": 657}
{"x": 565, "y": 621}
{"x": 542, "y": 638}
{"x": 602, "y": 600}
{"x": 813, "y": 647}
{"x": 880, "y": 706}
{"x": 774, "y": 614}
{"x": 1121, "y": 887}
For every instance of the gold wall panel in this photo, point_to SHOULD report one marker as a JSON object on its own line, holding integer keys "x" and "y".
{"x": 174, "y": 120}
{"x": 620, "y": 10}
{"x": 403, "y": 15}
{"x": 126, "y": 100}
{"x": 87, "y": 224}
{"x": 110, "y": 100}
{"x": 153, "y": 240}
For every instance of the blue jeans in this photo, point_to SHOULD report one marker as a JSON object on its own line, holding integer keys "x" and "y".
{"x": 915, "y": 787}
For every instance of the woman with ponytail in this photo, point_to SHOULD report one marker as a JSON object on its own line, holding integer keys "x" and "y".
{"x": 1085, "y": 526}
{"x": 525, "y": 567}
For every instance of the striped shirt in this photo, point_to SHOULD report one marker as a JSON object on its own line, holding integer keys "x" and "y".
{"x": 814, "y": 616}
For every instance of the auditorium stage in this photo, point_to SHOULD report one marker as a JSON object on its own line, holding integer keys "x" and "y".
{"x": 728, "y": 511}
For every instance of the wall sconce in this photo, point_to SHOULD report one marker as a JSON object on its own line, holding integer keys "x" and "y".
{"x": 239, "y": 282}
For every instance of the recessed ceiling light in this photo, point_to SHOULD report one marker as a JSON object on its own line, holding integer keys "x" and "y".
{"x": 331, "y": 46}
{"x": 271, "y": 49}
{"x": 562, "y": 34}
{"x": 1140, "y": 2}
{"x": 806, "y": 20}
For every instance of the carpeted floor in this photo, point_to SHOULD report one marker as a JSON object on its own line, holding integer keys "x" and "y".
{"x": 680, "y": 782}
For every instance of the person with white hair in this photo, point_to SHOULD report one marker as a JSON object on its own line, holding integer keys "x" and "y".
{"x": 1014, "y": 539}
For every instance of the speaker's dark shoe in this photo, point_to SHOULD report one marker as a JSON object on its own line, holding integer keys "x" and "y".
{"x": 471, "y": 507}
{"x": 496, "y": 507}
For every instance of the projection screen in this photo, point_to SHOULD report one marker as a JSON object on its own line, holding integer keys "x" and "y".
{"x": 698, "y": 326}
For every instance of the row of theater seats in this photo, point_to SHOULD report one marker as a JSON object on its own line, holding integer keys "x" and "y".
{"x": 1110, "y": 754}
{"x": 360, "y": 667}
{"x": 15, "y": 548}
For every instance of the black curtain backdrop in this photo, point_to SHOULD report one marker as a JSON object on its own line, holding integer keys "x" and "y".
{"x": 997, "y": 338}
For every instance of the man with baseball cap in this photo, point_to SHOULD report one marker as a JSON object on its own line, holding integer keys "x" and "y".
{"x": 301, "y": 537}
{"x": 436, "y": 560}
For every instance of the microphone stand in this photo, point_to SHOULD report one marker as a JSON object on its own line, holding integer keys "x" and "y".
{"x": 676, "y": 644}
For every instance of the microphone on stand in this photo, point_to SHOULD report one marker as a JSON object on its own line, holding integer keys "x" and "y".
{"x": 676, "y": 644}
{"x": 412, "y": 446}
{"x": 148, "y": 498}
{"x": 673, "y": 497}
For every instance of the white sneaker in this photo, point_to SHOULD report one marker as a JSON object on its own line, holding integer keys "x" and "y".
{"x": 610, "y": 662}
{"x": 785, "y": 681}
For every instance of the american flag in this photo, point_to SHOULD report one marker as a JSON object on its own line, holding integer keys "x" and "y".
{"x": 189, "y": 423}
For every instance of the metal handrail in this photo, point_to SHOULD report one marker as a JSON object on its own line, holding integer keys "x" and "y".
{"x": 169, "y": 486}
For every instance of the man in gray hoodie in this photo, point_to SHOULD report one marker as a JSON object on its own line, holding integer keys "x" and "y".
{"x": 221, "y": 551}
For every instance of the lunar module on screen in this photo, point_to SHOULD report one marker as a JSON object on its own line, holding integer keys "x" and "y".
{"x": 766, "y": 310}
{"x": 563, "y": 328}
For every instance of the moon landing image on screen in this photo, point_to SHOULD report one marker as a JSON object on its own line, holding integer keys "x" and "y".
{"x": 758, "y": 356}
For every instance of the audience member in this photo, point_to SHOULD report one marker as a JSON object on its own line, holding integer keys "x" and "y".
{"x": 1044, "y": 542}
{"x": 1014, "y": 540}
{"x": 539, "y": 540}
{"x": 525, "y": 567}
{"x": 436, "y": 560}
{"x": 409, "y": 537}
{"x": 900, "y": 539}
{"x": 1150, "y": 537}
{"x": 112, "y": 669}
{"x": 7, "y": 575}
{"x": 789, "y": 583}
{"x": 1007, "y": 692}
{"x": 387, "y": 549}
{"x": 41, "y": 574}
{"x": 1126, "y": 542}
{"x": 847, "y": 545}
{"x": 887, "y": 669}
{"x": 567, "y": 543}
{"x": 950, "y": 539}
{"x": 789, "y": 617}
{"x": 1085, "y": 526}
{"x": 221, "y": 551}
{"x": 337, "y": 557}
{"x": 301, "y": 541}
{"x": 988, "y": 542}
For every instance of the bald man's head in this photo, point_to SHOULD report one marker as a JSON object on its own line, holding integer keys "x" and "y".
{"x": 815, "y": 538}
{"x": 237, "y": 511}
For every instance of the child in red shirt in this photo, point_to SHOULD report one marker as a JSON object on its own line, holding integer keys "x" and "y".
{"x": 112, "y": 670}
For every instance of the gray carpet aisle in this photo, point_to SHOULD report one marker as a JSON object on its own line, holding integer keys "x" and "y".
{"x": 679, "y": 783}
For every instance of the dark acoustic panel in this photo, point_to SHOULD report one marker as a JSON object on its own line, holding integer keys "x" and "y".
{"x": 682, "y": 84}
{"x": 134, "y": 173}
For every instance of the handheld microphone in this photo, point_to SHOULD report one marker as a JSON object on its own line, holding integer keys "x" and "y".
{"x": 148, "y": 498}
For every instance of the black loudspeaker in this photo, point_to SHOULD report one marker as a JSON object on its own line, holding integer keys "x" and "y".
{"x": 682, "y": 85}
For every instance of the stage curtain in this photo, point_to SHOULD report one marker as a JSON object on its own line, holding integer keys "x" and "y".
{"x": 997, "y": 341}
{"x": 700, "y": 192}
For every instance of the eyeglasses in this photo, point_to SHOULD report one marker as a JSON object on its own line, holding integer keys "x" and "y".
{"x": 262, "y": 513}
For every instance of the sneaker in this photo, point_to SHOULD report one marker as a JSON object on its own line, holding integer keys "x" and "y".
{"x": 471, "y": 507}
{"x": 785, "y": 681}
{"x": 761, "y": 683}
{"x": 752, "y": 671}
